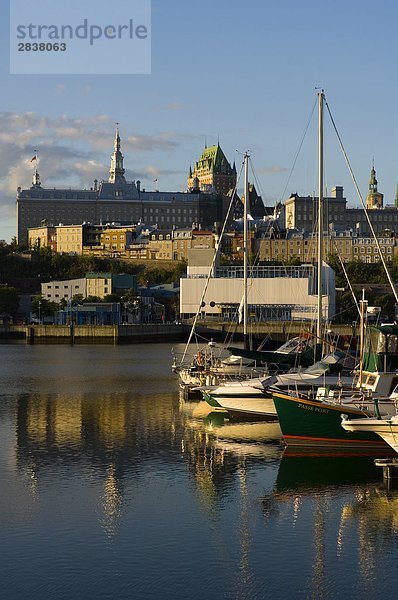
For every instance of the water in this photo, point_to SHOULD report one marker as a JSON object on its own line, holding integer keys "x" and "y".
{"x": 113, "y": 487}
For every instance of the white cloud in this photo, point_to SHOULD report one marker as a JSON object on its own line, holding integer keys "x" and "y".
{"x": 72, "y": 151}
{"x": 271, "y": 169}
{"x": 175, "y": 106}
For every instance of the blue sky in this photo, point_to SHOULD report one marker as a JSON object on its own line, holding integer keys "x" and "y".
{"x": 245, "y": 72}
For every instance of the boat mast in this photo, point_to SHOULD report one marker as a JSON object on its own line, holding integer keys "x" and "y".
{"x": 363, "y": 310}
{"x": 245, "y": 251}
{"x": 321, "y": 97}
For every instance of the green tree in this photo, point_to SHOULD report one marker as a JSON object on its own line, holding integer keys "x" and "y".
{"x": 44, "y": 308}
{"x": 9, "y": 300}
{"x": 92, "y": 299}
{"x": 112, "y": 298}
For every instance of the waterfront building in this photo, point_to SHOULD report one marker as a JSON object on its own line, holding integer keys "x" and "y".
{"x": 115, "y": 200}
{"x": 92, "y": 313}
{"x": 212, "y": 172}
{"x": 97, "y": 285}
{"x": 274, "y": 293}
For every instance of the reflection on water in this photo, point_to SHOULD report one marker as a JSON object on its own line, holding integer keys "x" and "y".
{"x": 114, "y": 486}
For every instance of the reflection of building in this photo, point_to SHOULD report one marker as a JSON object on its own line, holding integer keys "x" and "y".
{"x": 117, "y": 200}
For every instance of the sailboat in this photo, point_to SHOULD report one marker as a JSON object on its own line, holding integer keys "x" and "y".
{"x": 305, "y": 422}
{"x": 208, "y": 367}
{"x": 386, "y": 429}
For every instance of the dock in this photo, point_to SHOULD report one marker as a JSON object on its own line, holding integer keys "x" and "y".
{"x": 276, "y": 331}
{"x": 95, "y": 334}
{"x": 389, "y": 466}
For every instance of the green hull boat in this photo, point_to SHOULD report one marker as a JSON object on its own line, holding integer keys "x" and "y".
{"x": 310, "y": 423}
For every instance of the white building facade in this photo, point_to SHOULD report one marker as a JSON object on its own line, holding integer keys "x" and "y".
{"x": 274, "y": 293}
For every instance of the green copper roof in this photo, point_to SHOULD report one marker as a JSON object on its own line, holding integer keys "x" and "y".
{"x": 212, "y": 159}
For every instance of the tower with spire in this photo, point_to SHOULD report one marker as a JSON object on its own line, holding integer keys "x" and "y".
{"x": 116, "y": 172}
{"x": 374, "y": 199}
{"x": 213, "y": 171}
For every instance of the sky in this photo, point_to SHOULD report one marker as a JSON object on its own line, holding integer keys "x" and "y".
{"x": 245, "y": 73}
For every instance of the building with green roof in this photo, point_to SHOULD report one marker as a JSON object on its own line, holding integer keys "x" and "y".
{"x": 212, "y": 172}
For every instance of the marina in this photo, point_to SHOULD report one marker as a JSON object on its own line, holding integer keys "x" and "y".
{"x": 114, "y": 485}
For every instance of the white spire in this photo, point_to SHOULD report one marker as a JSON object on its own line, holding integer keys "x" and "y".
{"x": 116, "y": 172}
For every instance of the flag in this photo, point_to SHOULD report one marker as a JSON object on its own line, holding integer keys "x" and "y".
{"x": 33, "y": 158}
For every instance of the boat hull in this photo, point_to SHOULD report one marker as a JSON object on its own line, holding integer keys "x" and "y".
{"x": 249, "y": 406}
{"x": 307, "y": 423}
{"x": 387, "y": 429}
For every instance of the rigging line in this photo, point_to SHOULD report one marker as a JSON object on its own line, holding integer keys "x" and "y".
{"x": 213, "y": 262}
{"x": 257, "y": 182}
{"x": 298, "y": 150}
{"x": 255, "y": 178}
{"x": 363, "y": 204}
{"x": 346, "y": 275}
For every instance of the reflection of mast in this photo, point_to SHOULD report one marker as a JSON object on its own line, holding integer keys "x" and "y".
{"x": 112, "y": 501}
{"x": 319, "y": 545}
{"x": 244, "y": 575}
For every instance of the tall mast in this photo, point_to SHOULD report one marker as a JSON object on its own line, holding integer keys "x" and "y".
{"x": 245, "y": 250}
{"x": 321, "y": 97}
{"x": 363, "y": 310}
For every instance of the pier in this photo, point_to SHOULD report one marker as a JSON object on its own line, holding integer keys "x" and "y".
{"x": 94, "y": 334}
{"x": 277, "y": 331}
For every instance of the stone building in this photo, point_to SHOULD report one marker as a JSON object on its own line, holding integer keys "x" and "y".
{"x": 301, "y": 212}
{"x": 116, "y": 200}
{"x": 44, "y": 236}
{"x": 212, "y": 171}
{"x": 348, "y": 245}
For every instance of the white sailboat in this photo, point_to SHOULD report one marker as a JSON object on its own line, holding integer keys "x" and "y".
{"x": 387, "y": 429}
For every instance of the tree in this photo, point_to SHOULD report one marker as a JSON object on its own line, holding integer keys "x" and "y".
{"x": 9, "y": 300}
{"x": 90, "y": 299}
{"x": 112, "y": 298}
{"x": 44, "y": 308}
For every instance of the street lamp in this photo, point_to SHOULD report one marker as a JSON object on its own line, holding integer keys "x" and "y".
{"x": 39, "y": 313}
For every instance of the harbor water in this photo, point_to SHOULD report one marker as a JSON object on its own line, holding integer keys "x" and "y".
{"x": 114, "y": 486}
